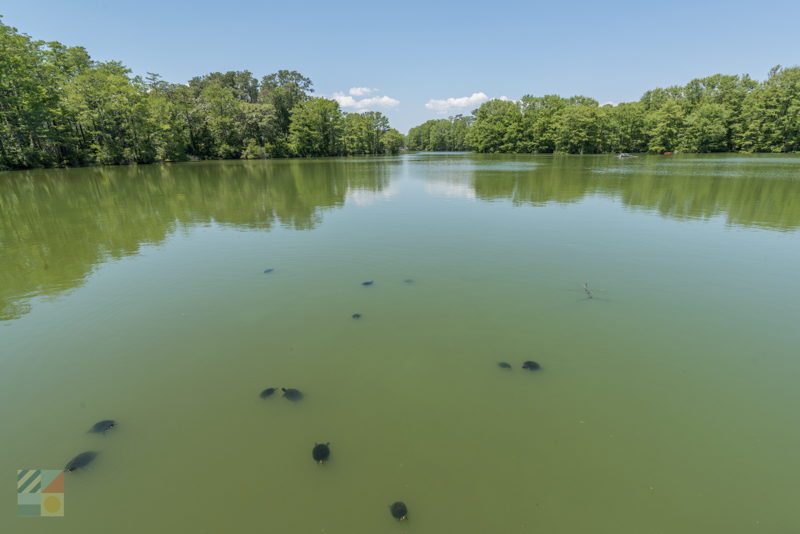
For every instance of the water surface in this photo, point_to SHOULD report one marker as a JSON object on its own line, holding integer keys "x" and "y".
{"x": 666, "y": 404}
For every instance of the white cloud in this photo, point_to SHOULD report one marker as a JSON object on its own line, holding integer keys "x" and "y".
{"x": 451, "y": 104}
{"x": 361, "y": 91}
{"x": 371, "y": 103}
{"x": 610, "y": 103}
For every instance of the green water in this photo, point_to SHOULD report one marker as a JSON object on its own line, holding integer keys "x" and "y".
{"x": 668, "y": 404}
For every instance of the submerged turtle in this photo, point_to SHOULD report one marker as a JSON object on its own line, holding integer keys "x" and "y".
{"x": 399, "y": 510}
{"x": 292, "y": 394}
{"x": 267, "y": 271}
{"x": 504, "y": 365}
{"x": 103, "y": 426}
{"x": 368, "y": 283}
{"x": 321, "y": 452}
{"x": 532, "y": 366}
{"x": 267, "y": 392}
{"x": 356, "y": 316}
{"x": 409, "y": 280}
{"x": 82, "y": 460}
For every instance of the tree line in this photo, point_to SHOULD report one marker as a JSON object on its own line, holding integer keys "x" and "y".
{"x": 719, "y": 113}
{"x": 58, "y": 107}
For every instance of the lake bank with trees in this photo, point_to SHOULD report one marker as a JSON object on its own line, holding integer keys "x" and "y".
{"x": 58, "y": 107}
{"x": 719, "y": 113}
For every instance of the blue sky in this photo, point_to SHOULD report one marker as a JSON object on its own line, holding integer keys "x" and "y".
{"x": 411, "y": 53}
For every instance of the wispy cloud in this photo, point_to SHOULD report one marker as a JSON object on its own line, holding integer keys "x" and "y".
{"x": 350, "y": 101}
{"x": 454, "y": 104}
{"x": 361, "y": 91}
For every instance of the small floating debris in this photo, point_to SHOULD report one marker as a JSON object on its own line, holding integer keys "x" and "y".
{"x": 292, "y": 394}
{"x": 321, "y": 452}
{"x": 504, "y": 365}
{"x": 399, "y": 510}
{"x": 356, "y": 316}
{"x": 103, "y": 426}
{"x": 624, "y": 155}
{"x": 82, "y": 460}
{"x": 589, "y": 292}
{"x": 267, "y": 392}
{"x": 267, "y": 271}
{"x": 531, "y": 366}
{"x": 368, "y": 283}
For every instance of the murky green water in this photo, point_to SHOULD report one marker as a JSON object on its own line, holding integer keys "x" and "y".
{"x": 669, "y": 404}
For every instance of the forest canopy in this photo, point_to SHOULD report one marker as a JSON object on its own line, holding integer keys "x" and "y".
{"x": 59, "y": 107}
{"x": 719, "y": 113}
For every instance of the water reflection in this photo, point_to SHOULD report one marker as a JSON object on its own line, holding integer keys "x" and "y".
{"x": 56, "y": 225}
{"x": 756, "y": 191}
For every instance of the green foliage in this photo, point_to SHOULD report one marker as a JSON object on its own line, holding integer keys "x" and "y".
{"x": 497, "y": 127}
{"x": 316, "y": 128}
{"x": 442, "y": 135}
{"x": 58, "y": 107}
{"x": 719, "y": 113}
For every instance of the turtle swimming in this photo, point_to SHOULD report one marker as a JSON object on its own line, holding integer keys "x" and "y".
{"x": 103, "y": 426}
{"x": 409, "y": 280}
{"x": 399, "y": 510}
{"x": 531, "y": 366}
{"x": 82, "y": 460}
{"x": 267, "y": 271}
{"x": 267, "y": 392}
{"x": 504, "y": 365}
{"x": 321, "y": 452}
{"x": 292, "y": 394}
{"x": 356, "y": 316}
{"x": 368, "y": 283}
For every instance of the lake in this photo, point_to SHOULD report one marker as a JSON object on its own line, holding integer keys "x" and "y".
{"x": 666, "y": 403}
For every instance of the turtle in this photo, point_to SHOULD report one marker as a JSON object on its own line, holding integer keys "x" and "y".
{"x": 82, "y": 460}
{"x": 409, "y": 280}
{"x": 504, "y": 365}
{"x": 356, "y": 316}
{"x": 267, "y": 392}
{"x": 321, "y": 452}
{"x": 267, "y": 271}
{"x": 531, "y": 366}
{"x": 399, "y": 510}
{"x": 103, "y": 426}
{"x": 368, "y": 283}
{"x": 292, "y": 394}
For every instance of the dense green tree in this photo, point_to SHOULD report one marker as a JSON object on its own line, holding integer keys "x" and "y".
{"x": 538, "y": 122}
{"x": 771, "y": 113}
{"x": 497, "y": 127}
{"x": 316, "y": 126}
{"x": 441, "y": 135}
{"x": 284, "y": 90}
{"x": 578, "y": 127}
{"x": 241, "y": 84}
